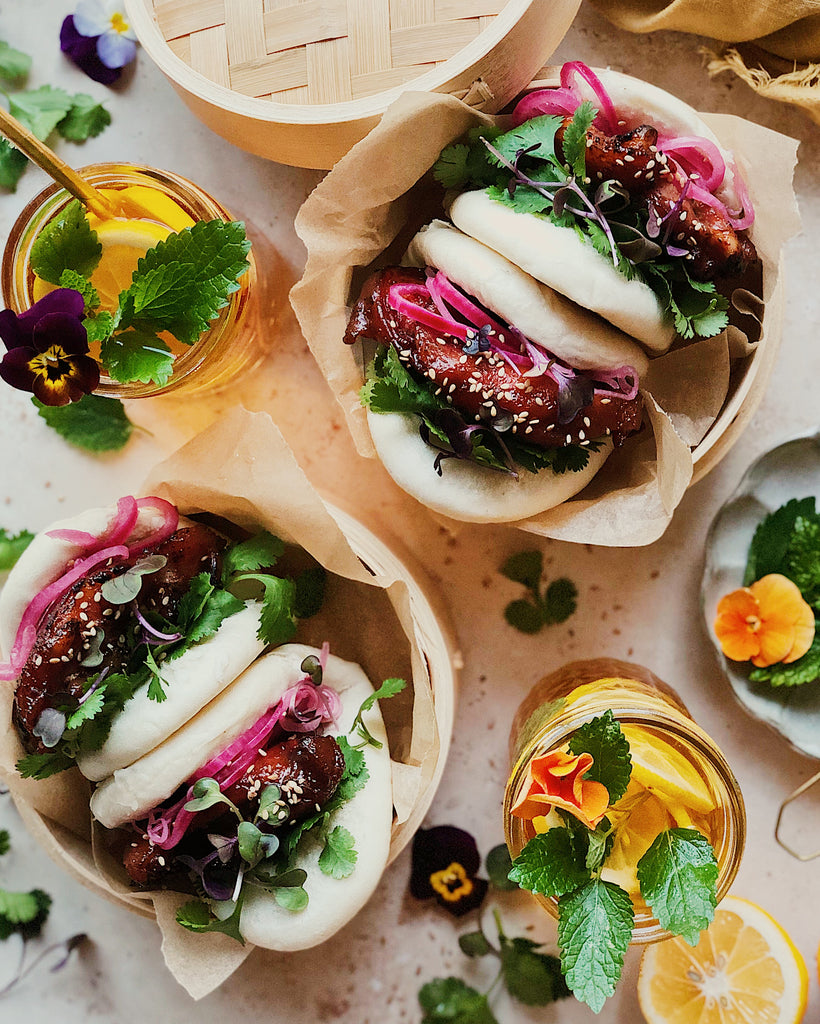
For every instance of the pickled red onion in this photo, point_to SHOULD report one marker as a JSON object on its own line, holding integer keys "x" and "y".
{"x": 117, "y": 531}
{"x": 575, "y": 68}
{"x": 563, "y": 102}
{"x": 27, "y": 630}
{"x": 699, "y": 156}
{"x": 170, "y": 521}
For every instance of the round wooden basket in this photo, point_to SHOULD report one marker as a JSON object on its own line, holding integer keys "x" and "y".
{"x": 301, "y": 82}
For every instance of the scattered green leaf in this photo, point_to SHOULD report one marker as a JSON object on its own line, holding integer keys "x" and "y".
{"x": 12, "y": 546}
{"x": 339, "y": 856}
{"x": 94, "y": 424}
{"x": 678, "y": 879}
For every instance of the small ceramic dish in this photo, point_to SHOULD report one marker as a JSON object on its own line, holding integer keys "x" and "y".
{"x": 791, "y": 470}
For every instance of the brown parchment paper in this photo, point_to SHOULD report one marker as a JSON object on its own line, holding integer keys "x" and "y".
{"x": 369, "y": 206}
{"x": 375, "y": 613}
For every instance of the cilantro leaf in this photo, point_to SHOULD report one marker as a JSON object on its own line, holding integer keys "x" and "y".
{"x": 218, "y": 606}
{"x": 67, "y": 242}
{"x": 85, "y": 119}
{"x": 23, "y": 912}
{"x": 678, "y": 879}
{"x": 71, "y": 279}
{"x": 770, "y": 543}
{"x": 536, "y": 136}
{"x": 574, "y": 142}
{"x": 262, "y": 551}
{"x": 88, "y": 710}
{"x": 525, "y": 616}
{"x": 390, "y": 387}
{"x": 12, "y": 546}
{"x": 43, "y": 766}
{"x": 12, "y": 165}
{"x": 796, "y": 673}
{"x": 94, "y": 424}
{"x": 156, "y": 685}
{"x": 182, "y": 282}
{"x": 193, "y": 601}
{"x": 451, "y": 1001}
{"x": 196, "y": 917}
{"x": 534, "y": 979}
{"x": 310, "y": 592}
{"x": 137, "y": 355}
{"x": 451, "y": 168}
{"x": 276, "y": 624}
{"x": 524, "y": 567}
{"x": 119, "y": 687}
{"x": 560, "y": 600}
{"x": 40, "y": 110}
{"x": 4, "y": 841}
{"x": 339, "y": 856}
{"x": 549, "y": 864}
{"x": 612, "y": 764}
{"x": 468, "y": 163}
{"x": 14, "y": 64}
{"x": 356, "y": 772}
{"x": 389, "y": 688}
{"x": 594, "y": 930}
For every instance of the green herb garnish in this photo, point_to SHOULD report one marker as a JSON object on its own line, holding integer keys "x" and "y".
{"x": 12, "y": 546}
{"x": 94, "y": 424}
{"x": 554, "y": 605}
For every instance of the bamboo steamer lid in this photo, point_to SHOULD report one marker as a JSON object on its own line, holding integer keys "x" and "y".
{"x": 302, "y": 82}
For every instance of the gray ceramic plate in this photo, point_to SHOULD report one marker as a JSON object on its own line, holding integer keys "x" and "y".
{"x": 792, "y": 470}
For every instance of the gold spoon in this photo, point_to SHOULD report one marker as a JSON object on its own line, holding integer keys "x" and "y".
{"x": 45, "y": 158}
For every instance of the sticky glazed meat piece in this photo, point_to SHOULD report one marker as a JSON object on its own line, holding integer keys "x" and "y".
{"x": 472, "y": 383}
{"x": 82, "y": 619}
{"x": 307, "y": 768}
{"x": 632, "y": 159}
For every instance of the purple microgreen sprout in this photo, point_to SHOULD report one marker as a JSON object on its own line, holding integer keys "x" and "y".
{"x": 214, "y": 887}
{"x": 49, "y": 727}
{"x": 151, "y": 635}
{"x": 223, "y": 845}
{"x": 478, "y": 341}
{"x": 64, "y": 948}
{"x": 94, "y": 657}
{"x": 206, "y": 793}
{"x": 312, "y": 668}
{"x": 124, "y": 588}
{"x": 270, "y": 803}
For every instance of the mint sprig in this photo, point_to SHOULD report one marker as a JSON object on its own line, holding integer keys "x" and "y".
{"x": 678, "y": 879}
{"x": 594, "y": 931}
{"x": 612, "y": 764}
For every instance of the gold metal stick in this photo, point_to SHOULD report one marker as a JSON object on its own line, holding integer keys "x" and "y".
{"x": 47, "y": 159}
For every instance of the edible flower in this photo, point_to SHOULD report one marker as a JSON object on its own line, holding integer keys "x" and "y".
{"x": 765, "y": 623}
{"x": 48, "y": 349}
{"x": 99, "y": 39}
{"x": 445, "y": 862}
{"x": 556, "y": 779}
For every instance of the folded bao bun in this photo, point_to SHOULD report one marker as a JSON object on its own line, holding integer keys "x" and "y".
{"x": 556, "y": 256}
{"x": 467, "y": 491}
{"x": 198, "y": 675}
{"x": 568, "y": 331}
{"x": 132, "y": 792}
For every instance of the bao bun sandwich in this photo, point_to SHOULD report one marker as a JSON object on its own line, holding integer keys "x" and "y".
{"x": 258, "y": 782}
{"x": 605, "y": 226}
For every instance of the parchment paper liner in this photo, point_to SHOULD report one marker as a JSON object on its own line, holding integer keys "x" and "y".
{"x": 377, "y": 197}
{"x": 377, "y": 614}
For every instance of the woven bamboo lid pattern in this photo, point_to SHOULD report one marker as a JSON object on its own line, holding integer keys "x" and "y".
{"x": 319, "y": 51}
{"x": 301, "y": 81}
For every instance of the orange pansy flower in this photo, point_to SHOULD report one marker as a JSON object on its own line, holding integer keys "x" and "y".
{"x": 765, "y": 623}
{"x": 557, "y": 779}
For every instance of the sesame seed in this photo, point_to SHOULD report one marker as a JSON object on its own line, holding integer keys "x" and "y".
{"x": 587, "y": 422}
{"x": 528, "y": 430}
{"x": 84, "y": 604}
{"x": 605, "y": 401}
{"x": 569, "y": 438}
{"x": 581, "y": 434}
{"x": 83, "y": 617}
{"x": 161, "y": 861}
{"x": 431, "y": 374}
{"x": 629, "y": 158}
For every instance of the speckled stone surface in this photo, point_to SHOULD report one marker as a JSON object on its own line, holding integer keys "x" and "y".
{"x": 634, "y": 604}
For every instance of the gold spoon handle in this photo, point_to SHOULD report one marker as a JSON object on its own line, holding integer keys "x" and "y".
{"x": 56, "y": 168}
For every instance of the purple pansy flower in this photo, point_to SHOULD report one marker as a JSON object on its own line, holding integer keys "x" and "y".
{"x": 99, "y": 39}
{"x": 48, "y": 349}
{"x": 445, "y": 861}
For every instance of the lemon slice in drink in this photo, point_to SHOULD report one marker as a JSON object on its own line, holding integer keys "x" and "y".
{"x": 745, "y": 968}
{"x": 638, "y": 819}
{"x": 660, "y": 768}
{"x": 123, "y": 243}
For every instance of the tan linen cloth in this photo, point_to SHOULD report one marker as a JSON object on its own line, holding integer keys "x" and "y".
{"x": 778, "y": 41}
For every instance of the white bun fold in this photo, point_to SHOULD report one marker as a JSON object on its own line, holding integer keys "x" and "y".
{"x": 332, "y": 902}
{"x": 557, "y": 257}
{"x": 567, "y": 330}
{"x": 465, "y": 490}
{"x": 191, "y": 681}
{"x": 47, "y": 558}
{"x": 131, "y": 792}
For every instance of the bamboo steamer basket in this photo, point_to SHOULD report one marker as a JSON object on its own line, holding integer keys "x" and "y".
{"x": 439, "y": 647}
{"x": 302, "y": 82}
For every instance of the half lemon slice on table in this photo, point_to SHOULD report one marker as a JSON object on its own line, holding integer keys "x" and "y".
{"x": 744, "y": 970}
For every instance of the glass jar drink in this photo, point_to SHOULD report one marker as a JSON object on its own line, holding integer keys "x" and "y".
{"x": 679, "y": 777}
{"x": 151, "y": 203}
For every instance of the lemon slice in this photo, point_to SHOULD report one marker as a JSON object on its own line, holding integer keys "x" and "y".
{"x": 124, "y": 243}
{"x": 638, "y": 819}
{"x": 744, "y": 969}
{"x": 663, "y": 770}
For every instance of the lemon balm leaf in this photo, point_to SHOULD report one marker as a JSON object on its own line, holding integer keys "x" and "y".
{"x": 452, "y": 1001}
{"x": 94, "y": 424}
{"x": 549, "y": 864}
{"x": 40, "y": 110}
{"x": 137, "y": 355}
{"x": 182, "y": 282}
{"x": 67, "y": 242}
{"x": 594, "y": 930}
{"x": 14, "y": 64}
{"x": 612, "y": 764}
{"x": 678, "y": 879}
{"x": 12, "y": 165}
{"x": 85, "y": 119}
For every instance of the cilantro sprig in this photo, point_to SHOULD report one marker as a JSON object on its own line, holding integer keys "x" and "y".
{"x": 522, "y": 170}
{"x": 677, "y": 875}
{"x": 391, "y": 388}
{"x": 554, "y": 605}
